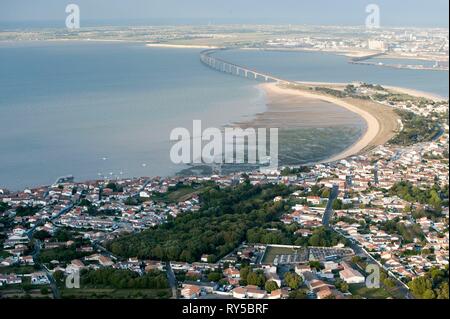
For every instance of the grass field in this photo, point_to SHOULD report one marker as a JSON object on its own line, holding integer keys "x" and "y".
{"x": 272, "y": 252}
{"x": 107, "y": 293}
{"x": 360, "y": 290}
{"x": 180, "y": 195}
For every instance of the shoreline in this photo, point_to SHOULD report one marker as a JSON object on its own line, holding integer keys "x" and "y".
{"x": 178, "y": 46}
{"x": 375, "y": 132}
{"x": 416, "y": 93}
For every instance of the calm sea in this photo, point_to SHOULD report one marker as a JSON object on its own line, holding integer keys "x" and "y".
{"x": 106, "y": 109}
{"x": 327, "y": 67}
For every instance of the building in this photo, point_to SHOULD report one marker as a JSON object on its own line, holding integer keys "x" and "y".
{"x": 39, "y": 278}
{"x": 191, "y": 291}
{"x": 351, "y": 276}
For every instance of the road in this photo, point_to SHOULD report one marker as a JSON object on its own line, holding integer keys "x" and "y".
{"x": 329, "y": 209}
{"x": 31, "y": 231}
{"x": 37, "y": 251}
{"x": 53, "y": 285}
{"x": 172, "y": 280}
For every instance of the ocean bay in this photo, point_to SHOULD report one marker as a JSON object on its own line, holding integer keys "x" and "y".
{"x": 106, "y": 110}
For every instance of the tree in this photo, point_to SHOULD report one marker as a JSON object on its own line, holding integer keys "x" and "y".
{"x": 422, "y": 288}
{"x": 271, "y": 286}
{"x": 44, "y": 291}
{"x": 214, "y": 276}
{"x": 298, "y": 294}
{"x": 315, "y": 264}
{"x": 256, "y": 279}
{"x": 244, "y": 273}
{"x": 58, "y": 275}
{"x": 293, "y": 280}
{"x": 429, "y": 294}
{"x": 337, "y": 204}
{"x": 42, "y": 234}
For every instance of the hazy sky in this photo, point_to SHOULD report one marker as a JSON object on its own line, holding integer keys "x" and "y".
{"x": 329, "y": 12}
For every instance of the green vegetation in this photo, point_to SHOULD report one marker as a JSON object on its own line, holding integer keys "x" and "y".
{"x": 324, "y": 237}
{"x": 23, "y": 211}
{"x": 376, "y": 87}
{"x": 111, "y": 293}
{"x": 181, "y": 193}
{"x": 220, "y": 225}
{"x": 434, "y": 285}
{"x": 61, "y": 254}
{"x": 250, "y": 277}
{"x": 416, "y": 129}
{"x": 434, "y": 196}
{"x": 3, "y": 207}
{"x": 293, "y": 280}
{"x": 287, "y": 171}
{"x": 17, "y": 270}
{"x": 123, "y": 279}
{"x": 298, "y": 294}
{"x": 41, "y": 235}
{"x": 361, "y": 291}
{"x": 271, "y": 286}
{"x": 407, "y": 232}
{"x": 96, "y": 211}
{"x": 114, "y": 187}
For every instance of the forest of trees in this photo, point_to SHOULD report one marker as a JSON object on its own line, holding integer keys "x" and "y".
{"x": 416, "y": 129}
{"x": 123, "y": 279}
{"x": 434, "y": 285}
{"x": 221, "y": 225}
{"x": 228, "y": 217}
{"x": 435, "y": 197}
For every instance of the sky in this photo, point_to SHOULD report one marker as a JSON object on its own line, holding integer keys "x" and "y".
{"x": 420, "y": 13}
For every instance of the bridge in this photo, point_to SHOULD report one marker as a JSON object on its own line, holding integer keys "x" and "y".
{"x": 221, "y": 65}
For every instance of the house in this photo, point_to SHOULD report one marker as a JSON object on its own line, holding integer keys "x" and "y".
{"x": 28, "y": 260}
{"x": 316, "y": 284}
{"x": 239, "y": 293}
{"x": 350, "y": 275}
{"x": 276, "y": 294}
{"x": 105, "y": 261}
{"x": 151, "y": 265}
{"x": 204, "y": 258}
{"x": 232, "y": 273}
{"x": 324, "y": 292}
{"x": 39, "y": 278}
{"x": 10, "y": 279}
{"x": 271, "y": 275}
{"x": 191, "y": 291}
{"x": 300, "y": 269}
{"x": 255, "y": 293}
{"x": 313, "y": 200}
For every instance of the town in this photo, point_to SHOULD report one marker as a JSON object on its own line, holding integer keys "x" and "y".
{"x": 316, "y": 228}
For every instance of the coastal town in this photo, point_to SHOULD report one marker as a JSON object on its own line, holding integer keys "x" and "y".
{"x": 385, "y": 207}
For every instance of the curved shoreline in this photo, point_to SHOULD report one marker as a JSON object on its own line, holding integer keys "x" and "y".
{"x": 375, "y": 133}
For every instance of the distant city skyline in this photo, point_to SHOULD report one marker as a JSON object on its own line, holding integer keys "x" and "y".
{"x": 410, "y": 13}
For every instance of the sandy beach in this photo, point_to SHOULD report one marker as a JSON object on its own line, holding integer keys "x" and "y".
{"x": 381, "y": 121}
